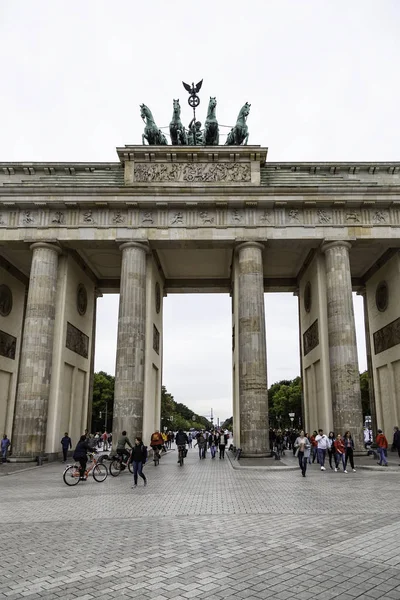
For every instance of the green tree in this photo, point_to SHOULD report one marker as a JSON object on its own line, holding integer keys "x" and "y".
{"x": 284, "y": 397}
{"x": 103, "y": 401}
{"x": 364, "y": 385}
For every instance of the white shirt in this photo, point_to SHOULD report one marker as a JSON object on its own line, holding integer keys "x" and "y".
{"x": 322, "y": 440}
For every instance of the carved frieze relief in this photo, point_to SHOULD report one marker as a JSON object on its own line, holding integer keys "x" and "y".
{"x": 387, "y": 337}
{"x": 311, "y": 338}
{"x": 192, "y": 172}
{"x": 77, "y": 341}
{"x": 164, "y": 216}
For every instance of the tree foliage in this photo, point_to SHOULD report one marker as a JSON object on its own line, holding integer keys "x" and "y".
{"x": 175, "y": 415}
{"x": 103, "y": 401}
{"x": 364, "y": 385}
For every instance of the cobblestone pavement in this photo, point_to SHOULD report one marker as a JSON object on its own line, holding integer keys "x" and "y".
{"x": 201, "y": 531}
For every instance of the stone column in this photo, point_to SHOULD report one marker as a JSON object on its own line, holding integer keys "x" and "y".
{"x": 129, "y": 371}
{"x": 370, "y": 368}
{"x": 345, "y": 377}
{"x": 30, "y": 422}
{"x": 251, "y": 340}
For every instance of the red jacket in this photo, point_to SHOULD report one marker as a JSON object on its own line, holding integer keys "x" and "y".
{"x": 313, "y": 442}
{"x": 339, "y": 446}
{"x": 381, "y": 441}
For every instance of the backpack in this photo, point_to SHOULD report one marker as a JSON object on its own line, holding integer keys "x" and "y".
{"x": 144, "y": 454}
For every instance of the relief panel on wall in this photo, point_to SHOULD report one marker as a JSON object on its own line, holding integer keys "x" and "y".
{"x": 387, "y": 337}
{"x": 77, "y": 341}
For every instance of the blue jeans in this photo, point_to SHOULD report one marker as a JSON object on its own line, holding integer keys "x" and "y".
{"x": 340, "y": 458}
{"x": 321, "y": 456}
{"x": 382, "y": 456}
{"x": 4, "y": 455}
{"x": 137, "y": 470}
{"x": 313, "y": 454}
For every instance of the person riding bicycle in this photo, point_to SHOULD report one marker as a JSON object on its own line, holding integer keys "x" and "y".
{"x": 181, "y": 440}
{"x": 80, "y": 455}
{"x": 121, "y": 450}
{"x": 156, "y": 442}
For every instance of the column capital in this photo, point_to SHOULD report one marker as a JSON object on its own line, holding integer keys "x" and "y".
{"x": 243, "y": 245}
{"x": 140, "y": 245}
{"x": 47, "y": 245}
{"x": 329, "y": 244}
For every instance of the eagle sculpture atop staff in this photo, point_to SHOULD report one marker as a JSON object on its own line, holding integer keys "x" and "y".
{"x": 195, "y": 135}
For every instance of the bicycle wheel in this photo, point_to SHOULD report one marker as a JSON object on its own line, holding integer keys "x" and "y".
{"x": 181, "y": 458}
{"x": 115, "y": 468}
{"x": 71, "y": 475}
{"x": 100, "y": 473}
{"x": 130, "y": 467}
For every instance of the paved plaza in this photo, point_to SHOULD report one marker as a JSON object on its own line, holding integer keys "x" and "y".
{"x": 202, "y": 531}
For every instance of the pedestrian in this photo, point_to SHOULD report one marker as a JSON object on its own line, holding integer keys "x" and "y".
{"x": 323, "y": 445}
{"x": 80, "y": 455}
{"x": 5, "y": 444}
{"x": 66, "y": 444}
{"x": 331, "y": 448}
{"x": 314, "y": 448}
{"x": 138, "y": 458}
{"x": 201, "y": 443}
{"x": 104, "y": 437}
{"x": 303, "y": 447}
{"x": 340, "y": 452}
{"x": 382, "y": 444}
{"x": 396, "y": 440}
{"x": 349, "y": 449}
{"x": 212, "y": 440}
{"x": 221, "y": 444}
{"x": 190, "y": 440}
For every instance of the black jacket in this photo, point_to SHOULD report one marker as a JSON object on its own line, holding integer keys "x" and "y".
{"x": 81, "y": 450}
{"x": 138, "y": 453}
{"x": 181, "y": 439}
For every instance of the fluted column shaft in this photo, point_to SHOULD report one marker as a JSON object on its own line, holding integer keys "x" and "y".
{"x": 253, "y": 388}
{"x": 30, "y": 422}
{"x": 129, "y": 371}
{"x": 345, "y": 377}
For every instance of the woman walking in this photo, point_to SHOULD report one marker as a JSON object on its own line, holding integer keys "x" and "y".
{"x": 303, "y": 446}
{"x": 349, "y": 448}
{"x": 138, "y": 458}
{"x": 340, "y": 453}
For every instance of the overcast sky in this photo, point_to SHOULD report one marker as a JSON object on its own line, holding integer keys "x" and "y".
{"x": 322, "y": 79}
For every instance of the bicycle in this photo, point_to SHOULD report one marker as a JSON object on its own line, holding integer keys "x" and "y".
{"x": 182, "y": 454}
{"x": 117, "y": 465}
{"x": 156, "y": 455}
{"x": 71, "y": 475}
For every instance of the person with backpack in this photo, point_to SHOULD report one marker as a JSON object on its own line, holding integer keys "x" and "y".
{"x": 382, "y": 444}
{"x": 201, "y": 443}
{"x": 138, "y": 458}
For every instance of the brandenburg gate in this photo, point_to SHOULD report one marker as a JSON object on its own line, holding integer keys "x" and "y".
{"x": 188, "y": 219}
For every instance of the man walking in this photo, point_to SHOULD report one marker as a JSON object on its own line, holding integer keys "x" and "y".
{"x": 323, "y": 445}
{"x": 382, "y": 444}
{"x": 396, "y": 440}
{"x": 66, "y": 444}
{"x": 5, "y": 444}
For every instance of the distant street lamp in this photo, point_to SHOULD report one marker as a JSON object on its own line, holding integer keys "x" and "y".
{"x": 291, "y": 417}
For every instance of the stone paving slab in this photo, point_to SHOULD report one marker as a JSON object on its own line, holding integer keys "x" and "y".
{"x": 201, "y": 531}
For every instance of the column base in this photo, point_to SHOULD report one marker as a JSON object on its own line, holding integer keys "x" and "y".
{"x": 255, "y": 454}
